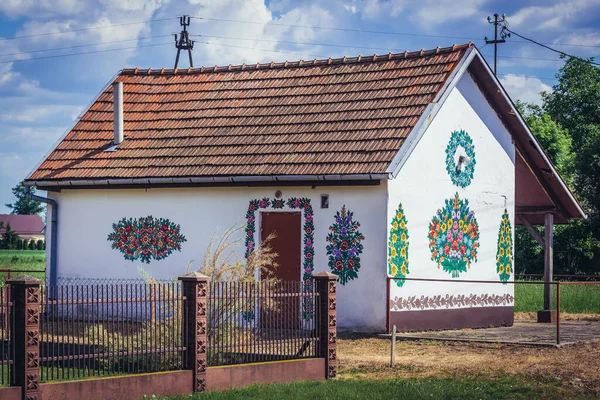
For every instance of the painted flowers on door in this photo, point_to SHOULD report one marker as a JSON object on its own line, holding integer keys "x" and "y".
{"x": 454, "y": 236}
{"x": 344, "y": 246}
{"x": 504, "y": 256}
{"x": 146, "y": 238}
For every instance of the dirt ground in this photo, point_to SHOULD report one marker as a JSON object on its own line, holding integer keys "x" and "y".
{"x": 573, "y": 369}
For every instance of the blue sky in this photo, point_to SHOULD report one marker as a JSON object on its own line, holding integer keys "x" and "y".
{"x": 43, "y": 91}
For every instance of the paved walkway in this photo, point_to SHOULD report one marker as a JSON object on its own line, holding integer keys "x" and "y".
{"x": 522, "y": 333}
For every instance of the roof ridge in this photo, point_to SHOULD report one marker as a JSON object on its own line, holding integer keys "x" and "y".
{"x": 300, "y": 63}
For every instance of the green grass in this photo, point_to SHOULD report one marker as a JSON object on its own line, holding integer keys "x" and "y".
{"x": 503, "y": 388}
{"x": 23, "y": 260}
{"x": 576, "y": 299}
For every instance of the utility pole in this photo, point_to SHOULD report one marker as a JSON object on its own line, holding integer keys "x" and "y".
{"x": 503, "y": 35}
{"x": 184, "y": 42}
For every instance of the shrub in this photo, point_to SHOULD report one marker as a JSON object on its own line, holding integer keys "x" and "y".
{"x": 19, "y": 244}
{"x": 31, "y": 245}
{"x": 40, "y": 244}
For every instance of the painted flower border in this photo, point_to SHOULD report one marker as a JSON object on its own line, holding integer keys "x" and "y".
{"x": 460, "y": 138}
{"x": 294, "y": 203}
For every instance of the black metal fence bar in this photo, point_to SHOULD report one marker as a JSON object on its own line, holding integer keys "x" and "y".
{"x": 110, "y": 328}
{"x": 261, "y": 321}
{"x": 6, "y": 355}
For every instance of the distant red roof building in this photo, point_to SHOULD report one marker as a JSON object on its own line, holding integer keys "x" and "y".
{"x": 25, "y": 226}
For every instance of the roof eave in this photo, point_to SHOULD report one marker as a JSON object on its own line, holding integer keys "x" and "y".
{"x": 63, "y": 184}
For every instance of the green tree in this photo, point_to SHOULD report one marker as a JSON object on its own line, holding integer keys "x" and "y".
{"x": 555, "y": 140}
{"x": 31, "y": 245}
{"x": 568, "y": 120}
{"x": 39, "y": 244}
{"x": 24, "y": 205}
{"x": 574, "y": 103}
{"x": 9, "y": 238}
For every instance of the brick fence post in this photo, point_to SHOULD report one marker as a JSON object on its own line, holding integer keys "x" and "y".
{"x": 26, "y": 298}
{"x": 327, "y": 306}
{"x": 195, "y": 290}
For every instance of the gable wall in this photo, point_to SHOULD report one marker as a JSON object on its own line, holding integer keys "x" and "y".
{"x": 86, "y": 218}
{"x": 422, "y": 187}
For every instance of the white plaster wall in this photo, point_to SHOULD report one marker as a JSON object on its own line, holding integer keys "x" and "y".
{"x": 423, "y": 185}
{"x": 86, "y": 218}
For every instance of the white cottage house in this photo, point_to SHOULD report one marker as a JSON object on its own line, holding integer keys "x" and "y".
{"x": 404, "y": 174}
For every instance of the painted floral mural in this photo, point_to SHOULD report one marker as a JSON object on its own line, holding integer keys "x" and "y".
{"x": 460, "y": 176}
{"x": 454, "y": 236}
{"x": 303, "y": 204}
{"x": 146, "y": 238}
{"x": 344, "y": 246}
{"x": 398, "y": 248}
{"x": 504, "y": 256}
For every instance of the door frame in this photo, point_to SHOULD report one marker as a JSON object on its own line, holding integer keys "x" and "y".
{"x": 258, "y": 232}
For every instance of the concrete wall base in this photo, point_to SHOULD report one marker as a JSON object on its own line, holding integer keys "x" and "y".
{"x": 236, "y": 376}
{"x": 457, "y": 318}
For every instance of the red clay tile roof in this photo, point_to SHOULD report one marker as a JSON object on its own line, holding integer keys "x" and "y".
{"x": 337, "y": 116}
{"x": 23, "y": 224}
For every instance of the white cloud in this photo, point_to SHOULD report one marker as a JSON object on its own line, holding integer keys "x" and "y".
{"x": 371, "y": 9}
{"x": 578, "y": 40}
{"x": 524, "y": 88}
{"x": 558, "y": 16}
{"x": 6, "y": 73}
{"x": 433, "y": 12}
{"x": 261, "y": 39}
{"x": 40, "y": 8}
{"x": 39, "y": 113}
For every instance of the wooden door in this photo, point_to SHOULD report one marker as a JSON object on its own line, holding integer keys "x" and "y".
{"x": 287, "y": 226}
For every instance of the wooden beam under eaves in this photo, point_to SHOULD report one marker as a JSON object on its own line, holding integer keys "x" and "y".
{"x": 536, "y": 210}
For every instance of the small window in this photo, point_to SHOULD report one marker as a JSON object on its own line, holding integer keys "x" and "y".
{"x": 324, "y": 201}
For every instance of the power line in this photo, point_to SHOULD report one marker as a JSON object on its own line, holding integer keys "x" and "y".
{"x": 87, "y": 29}
{"x": 369, "y": 31}
{"x": 85, "y": 52}
{"x": 211, "y": 44}
{"x": 295, "y": 43}
{"x": 528, "y": 58}
{"x": 335, "y": 29}
{"x": 562, "y": 53}
{"x": 530, "y": 76}
{"x": 254, "y": 48}
{"x": 154, "y": 45}
{"x": 83, "y": 45}
{"x": 350, "y": 46}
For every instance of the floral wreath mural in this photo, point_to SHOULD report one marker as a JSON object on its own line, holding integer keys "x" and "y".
{"x": 146, "y": 238}
{"x": 344, "y": 246}
{"x": 454, "y": 236}
{"x": 460, "y": 172}
{"x": 398, "y": 248}
{"x": 293, "y": 203}
{"x": 504, "y": 257}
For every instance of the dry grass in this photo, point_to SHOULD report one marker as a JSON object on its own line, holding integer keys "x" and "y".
{"x": 573, "y": 369}
{"x": 531, "y": 316}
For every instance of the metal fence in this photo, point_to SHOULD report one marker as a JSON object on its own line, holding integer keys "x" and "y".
{"x": 262, "y": 321}
{"x": 107, "y": 329}
{"x": 6, "y": 355}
